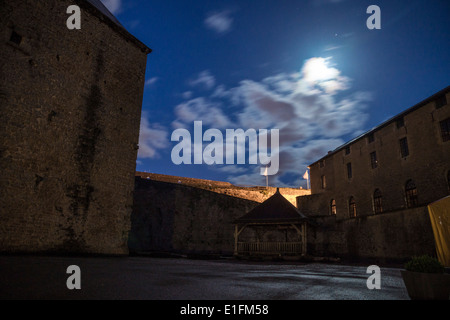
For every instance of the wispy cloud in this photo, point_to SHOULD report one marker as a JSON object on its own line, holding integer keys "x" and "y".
{"x": 151, "y": 81}
{"x": 114, "y": 6}
{"x": 204, "y": 79}
{"x": 220, "y": 22}
{"x": 331, "y": 48}
{"x": 152, "y": 137}
{"x": 311, "y": 117}
{"x": 201, "y": 109}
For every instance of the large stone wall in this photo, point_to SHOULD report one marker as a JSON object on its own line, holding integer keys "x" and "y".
{"x": 173, "y": 217}
{"x": 178, "y": 218}
{"x": 394, "y": 236}
{"x": 254, "y": 193}
{"x": 70, "y": 114}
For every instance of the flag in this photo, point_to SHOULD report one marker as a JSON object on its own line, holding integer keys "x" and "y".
{"x": 265, "y": 171}
{"x": 306, "y": 175}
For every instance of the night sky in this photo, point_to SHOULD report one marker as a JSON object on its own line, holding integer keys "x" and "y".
{"x": 311, "y": 69}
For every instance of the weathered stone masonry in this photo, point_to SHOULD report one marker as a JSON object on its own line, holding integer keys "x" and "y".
{"x": 172, "y": 217}
{"x": 70, "y": 113}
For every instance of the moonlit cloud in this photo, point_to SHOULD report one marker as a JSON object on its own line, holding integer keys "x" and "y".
{"x": 201, "y": 109}
{"x": 152, "y": 137}
{"x": 204, "y": 79}
{"x": 219, "y": 22}
{"x": 114, "y": 6}
{"x": 319, "y": 72}
{"x": 303, "y": 105}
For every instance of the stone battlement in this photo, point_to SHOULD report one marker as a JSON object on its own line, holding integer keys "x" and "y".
{"x": 254, "y": 193}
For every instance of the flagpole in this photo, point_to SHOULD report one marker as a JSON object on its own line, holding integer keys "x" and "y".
{"x": 306, "y": 176}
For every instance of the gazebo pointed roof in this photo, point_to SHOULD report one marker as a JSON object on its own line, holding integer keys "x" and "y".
{"x": 276, "y": 209}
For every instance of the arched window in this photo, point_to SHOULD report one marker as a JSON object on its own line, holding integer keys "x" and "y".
{"x": 411, "y": 194}
{"x": 377, "y": 201}
{"x": 333, "y": 206}
{"x": 352, "y": 207}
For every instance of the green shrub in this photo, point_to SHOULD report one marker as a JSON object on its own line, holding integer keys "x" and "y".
{"x": 424, "y": 264}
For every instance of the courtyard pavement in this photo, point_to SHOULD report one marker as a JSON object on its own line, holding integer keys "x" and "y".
{"x": 145, "y": 278}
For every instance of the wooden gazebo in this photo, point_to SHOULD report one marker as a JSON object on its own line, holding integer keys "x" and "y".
{"x": 278, "y": 228}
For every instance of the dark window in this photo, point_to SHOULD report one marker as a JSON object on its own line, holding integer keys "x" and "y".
{"x": 377, "y": 198}
{"x": 352, "y": 207}
{"x": 333, "y": 206}
{"x": 15, "y": 37}
{"x": 323, "y": 182}
{"x": 373, "y": 160}
{"x": 321, "y": 164}
{"x": 404, "y": 150}
{"x": 370, "y": 138}
{"x": 347, "y": 150}
{"x": 411, "y": 194}
{"x": 349, "y": 170}
{"x": 441, "y": 101}
{"x": 400, "y": 122}
{"x": 445, "y": 129}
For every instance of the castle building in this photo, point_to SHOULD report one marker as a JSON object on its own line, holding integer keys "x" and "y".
{"x": 70, "y": 108}
{"x": 369, "y": 197}
{"x": 402, "y": 163}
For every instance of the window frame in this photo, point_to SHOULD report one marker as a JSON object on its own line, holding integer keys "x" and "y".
{"x": 323, "y": 182}
{"x": 377, "y": 201}
{"x": 347, "y": 150}
{"x": 404, "y": 147}
{"x": 400, "y": 122}
{"x": 352, "y": 207}
{"x": 373, "y": 160}
{"x": 411, "y": 195}
{"x": 333, "y": 210}
{"x": 444, "y": 127}
{"x": 349, "y": 171}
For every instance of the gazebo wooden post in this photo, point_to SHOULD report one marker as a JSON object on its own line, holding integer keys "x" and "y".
{"x": 304, "y": 246}
{"x": 237, "y": 232}
{"x": 302, "y": 235}
{"x": 236, "y": 235}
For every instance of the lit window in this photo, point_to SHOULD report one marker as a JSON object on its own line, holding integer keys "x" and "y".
{"x": 333, "y": 206}
{"x": 411, "y": 194}
{"x": 352, "y": 207}
{"x": 377, "y": 201}
{"x": 445, "y": 129}
{"x": 404, "y": 150}
{"x": 373, "y": 160}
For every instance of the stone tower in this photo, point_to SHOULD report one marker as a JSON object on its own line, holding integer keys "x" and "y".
{"x": 70, "y": 107}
